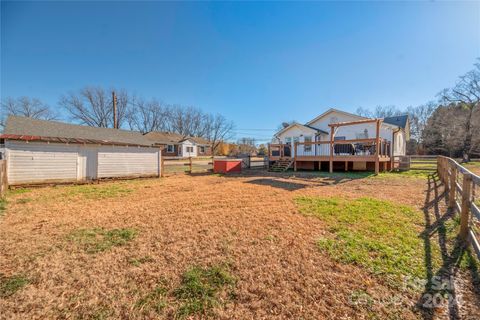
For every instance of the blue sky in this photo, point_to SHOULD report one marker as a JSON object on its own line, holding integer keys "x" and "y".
{"x": 258, "y": 63}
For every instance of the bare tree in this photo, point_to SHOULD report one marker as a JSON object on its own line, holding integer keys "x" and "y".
{"x": 418, "y": 119}
{"x": 466, "y": 94}
{"x": 188, "y": 121}
{"x": 285, "y": 124}
{"x": 93, "y": 106}
{"x": 147, "y": 116}
{"x": 26, "y": 107}
{"x": 379, "y": 112}
{"x": 218, "y": 129}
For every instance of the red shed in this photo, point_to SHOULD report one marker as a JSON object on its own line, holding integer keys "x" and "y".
{"x": 227, "y": 165}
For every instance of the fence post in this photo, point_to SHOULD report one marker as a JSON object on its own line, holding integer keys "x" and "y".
{"x": 162, "y": 167}
{"x": 453, "y": 187}
{"x": 439, "y": 167}
{"x": 466, "y": 199}
{"x": 190, "y": 163}
{"x": 3, "y": 178}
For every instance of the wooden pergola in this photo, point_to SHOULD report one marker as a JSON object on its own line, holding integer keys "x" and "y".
{"x": 333, "y": 130}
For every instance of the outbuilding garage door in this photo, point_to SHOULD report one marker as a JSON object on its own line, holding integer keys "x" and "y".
{"x": 127, "y": 161}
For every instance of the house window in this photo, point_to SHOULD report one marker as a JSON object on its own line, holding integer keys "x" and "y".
{"x": 288, "y": 140}
{"x": 189, "y": 149}
{"x": 295, "y": 140}
{"x": 308, "y": 147}
{"x": 201, "y": 149}
{"x": 170, "y": 148}
{"x": 339, "y": 138}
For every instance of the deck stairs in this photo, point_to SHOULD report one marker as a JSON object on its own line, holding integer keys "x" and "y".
{"x": 281, "y": 165}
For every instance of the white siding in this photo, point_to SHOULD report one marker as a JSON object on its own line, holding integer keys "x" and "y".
{"x": 40, "y": 162}
{"x": 127, "y": 161}
{"x": 184, "y": 146}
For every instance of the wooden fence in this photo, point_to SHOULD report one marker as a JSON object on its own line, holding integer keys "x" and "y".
{"x": 3, "y": 178}
{"x": 186, "y": 165}
{"x": 463, "y": 186}
{"x": 426, "y": 163}
{"x": 250, "y": 162}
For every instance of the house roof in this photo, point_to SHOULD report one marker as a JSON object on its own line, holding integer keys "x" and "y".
{"x": 399, "y": 121}
{"x": 163, "y": 137}
{"x": 23, "y": 128}
{"x": 300, "y": 125}
{"x": 334, "y": 110}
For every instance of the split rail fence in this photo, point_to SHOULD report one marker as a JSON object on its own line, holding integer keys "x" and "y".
{"x": 463, "y": 186}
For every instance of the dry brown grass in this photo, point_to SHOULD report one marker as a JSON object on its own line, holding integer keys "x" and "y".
{"x": 249, "y": 223}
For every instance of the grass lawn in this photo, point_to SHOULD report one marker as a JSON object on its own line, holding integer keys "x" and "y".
{"x": 300, "y": 245}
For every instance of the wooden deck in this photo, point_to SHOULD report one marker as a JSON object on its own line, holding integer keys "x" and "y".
{"x": 354, "y": 154}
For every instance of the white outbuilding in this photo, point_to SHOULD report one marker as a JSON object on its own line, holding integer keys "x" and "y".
{"x": 40, "y": 151}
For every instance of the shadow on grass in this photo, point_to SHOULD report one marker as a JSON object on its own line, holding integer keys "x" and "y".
{"x": 439, "y": 284}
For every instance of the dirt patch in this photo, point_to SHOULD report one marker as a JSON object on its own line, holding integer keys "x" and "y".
{"x": 249, "y": 222}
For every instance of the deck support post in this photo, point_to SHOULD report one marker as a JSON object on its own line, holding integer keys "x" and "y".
{"x": 295, "y": 156}
{"x": 377, "y": 148}
{"x": 332, "y": 132}
{"x": 346, "y": 165}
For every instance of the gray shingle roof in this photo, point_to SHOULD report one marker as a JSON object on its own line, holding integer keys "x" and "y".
{"x": 42, "y": 128}
{"x": 400, "y": 121}
{"x": 161, "y": 137}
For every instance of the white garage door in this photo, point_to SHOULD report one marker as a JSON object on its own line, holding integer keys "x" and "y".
{"x": 41, "y": 162}
{"x": 127, "y": 161}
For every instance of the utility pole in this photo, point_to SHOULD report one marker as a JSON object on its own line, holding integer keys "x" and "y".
{"x": 114, "y": 99}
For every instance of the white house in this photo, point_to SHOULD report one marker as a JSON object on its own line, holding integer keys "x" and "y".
{"x": 39, "y": 151}
{"x": 338, "y": 138}
{"x": 177, "y": 145}
{"x": 395, "y": 129}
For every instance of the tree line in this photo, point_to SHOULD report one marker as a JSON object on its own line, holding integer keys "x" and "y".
{"x": 449, "y": 125}
{"x": 93, "y": 106}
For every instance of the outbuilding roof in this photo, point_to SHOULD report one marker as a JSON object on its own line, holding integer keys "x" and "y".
{"x": 399, "y": 121}
{"x": 23, "y": 128}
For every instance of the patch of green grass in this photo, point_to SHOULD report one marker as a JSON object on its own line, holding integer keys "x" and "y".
{"x": 98, "y": 239}
{"x": 156, "y": 300}
{"x": 98, "y": 191}
{"x": 424, "y": 174}
{"x": 350, "y": 175}
{"x": 24, "y": 200}
{"x": 379, "y": 235}
{"x": 10, "y": 285}
{"x": 18, "y": 191}
{"x": 139, "y": 261}
{"x": 3, "y": 206}
{"x": 200, "y": 289}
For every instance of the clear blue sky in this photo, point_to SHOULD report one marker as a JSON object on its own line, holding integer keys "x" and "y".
{"x": 257, "y": 63}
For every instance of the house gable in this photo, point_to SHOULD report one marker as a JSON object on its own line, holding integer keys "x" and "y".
{"x": 332, "y": 116}
{"x": 295, "y": 130}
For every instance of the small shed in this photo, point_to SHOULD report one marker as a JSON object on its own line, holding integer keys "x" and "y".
{"x": 227, "y": 165}
{"x": 40, "y": 151}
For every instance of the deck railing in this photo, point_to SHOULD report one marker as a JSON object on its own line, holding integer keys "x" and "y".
{"x": 354, "y": 147}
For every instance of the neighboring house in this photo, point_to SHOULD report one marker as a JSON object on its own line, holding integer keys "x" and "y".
{"x": 39, "y": 151}
{"x": 396, "y": 129}
{"x": 177, "y": 145}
